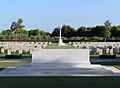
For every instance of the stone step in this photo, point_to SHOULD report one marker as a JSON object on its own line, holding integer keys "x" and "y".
{"x": 65, "y": 73}
{"x": 57, "y": 69}
{"x": 60, "y": 71}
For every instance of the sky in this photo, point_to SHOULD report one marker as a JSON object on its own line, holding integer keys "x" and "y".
{"x": 49, "y": 14}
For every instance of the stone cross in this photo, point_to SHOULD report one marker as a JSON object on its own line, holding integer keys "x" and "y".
{"x": 60, "y": 43}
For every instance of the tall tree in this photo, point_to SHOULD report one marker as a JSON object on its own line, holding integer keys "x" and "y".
{"x": 17, "y": 25}
{"x": 71, "y": 31}
{"x": 81, "y": 32}
{"x": 55, "y": 32}
{"x": 17, "y": 28}
{"x": 13, "y": 26}
{"x": 107, "y": 29}
{"x": 107, "y": 23}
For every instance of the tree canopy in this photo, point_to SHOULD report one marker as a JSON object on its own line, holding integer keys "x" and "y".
{"x": 17, "y": 32}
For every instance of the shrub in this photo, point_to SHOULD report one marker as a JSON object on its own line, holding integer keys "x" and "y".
{"x": 107, "y": 56}
{"x": 13, "y": 57}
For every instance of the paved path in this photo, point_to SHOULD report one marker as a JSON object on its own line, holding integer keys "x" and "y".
{"x": 30, "y": 60}
{"x": 104, "y": 60}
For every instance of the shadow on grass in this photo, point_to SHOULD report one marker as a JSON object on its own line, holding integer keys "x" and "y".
{"x": 60, "y": 82}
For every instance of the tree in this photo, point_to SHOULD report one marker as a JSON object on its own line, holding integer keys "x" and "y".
{"x": 17, "y": 25}
{"x": 55, "y": 32}
{"x": 64, "y": 31}
{"x": 13, "y": 26}
{"x": 107, "y": 23}
{"x": 81, "y": 32}
{"x": 37, "y": 32}
{"x": 71, "y": 31}
{"x": 7, "y": 32}
{"x": 115, "y": 31}
{"x": 17, "y": 28}
{"x": 107, "y": 32}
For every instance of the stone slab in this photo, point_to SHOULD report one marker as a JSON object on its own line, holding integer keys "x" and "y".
{"x": 56, "y": 56}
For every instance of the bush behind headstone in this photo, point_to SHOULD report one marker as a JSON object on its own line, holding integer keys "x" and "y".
{"x": 13, "y": 57}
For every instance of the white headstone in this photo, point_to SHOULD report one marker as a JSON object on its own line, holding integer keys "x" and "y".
{"x": 100, "y": 51}
{"x": 2, "y": 50}
{"x": 49, "y": 43}
{"x": 111, "y": 51}
{"x": 8, "y": 52}
{"x": 107, "y": 50}
{"x": 20, "y": 51}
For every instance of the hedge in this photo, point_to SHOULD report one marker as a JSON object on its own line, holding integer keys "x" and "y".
{"x": 107, "y": 56}
{"x": 13, "y": 57}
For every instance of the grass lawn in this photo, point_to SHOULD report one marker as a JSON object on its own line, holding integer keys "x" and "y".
{"x": 94, "y": 56}
{"x": 59, "y": 82}
{"x": 12, "y": 64}
{"x": 118, "y": 67}
{"x": 118, "y": 56}
{"x": 2, "y": 55}
{"x": 55, "y": 46}
{"x": 27, "y": 56}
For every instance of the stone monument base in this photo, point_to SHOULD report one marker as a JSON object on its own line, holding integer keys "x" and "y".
{"x": 28, "y": 70}
{"x": 60, "y": 62}
{"x": 60, "y": 43}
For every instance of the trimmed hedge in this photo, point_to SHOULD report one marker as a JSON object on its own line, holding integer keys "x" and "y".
{"x": 13, "y": 57}
{"x": 107, "y": 56}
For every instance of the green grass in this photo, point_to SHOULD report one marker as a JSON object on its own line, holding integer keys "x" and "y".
{"x": 2, "y": 55}
{"x": 118, "y": 56}
{"x": 12, "y": 64}
{"x": 94, "y": 56}
{"x": 118, "y": 67}
{"x": 59, "y": 82}
{"x": 27, "y": 56}
{"x": 55, "y": 46}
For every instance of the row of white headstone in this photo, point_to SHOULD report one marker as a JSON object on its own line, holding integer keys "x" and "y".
{"x": 99, "y": 47}
{"x": 9, "y": 47}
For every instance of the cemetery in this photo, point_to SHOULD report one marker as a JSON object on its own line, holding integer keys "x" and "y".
{"x": 60, "y": 44}
{"x": 61, "y": 62}
{"x": 52, "y": 62}
{"x": 56, "y": 81}
{"x": 100, "y": 48}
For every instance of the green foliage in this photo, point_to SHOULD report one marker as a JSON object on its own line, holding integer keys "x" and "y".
{"x": 107, "y": 56}
{"x": 107, "y": 23}
{"x": 13, "y": 57}
{"x": 98, "y": 33}
{"x": 67, "y": 31}
{"x": 17, "y": 33}
{"x": 17, "y": 25}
